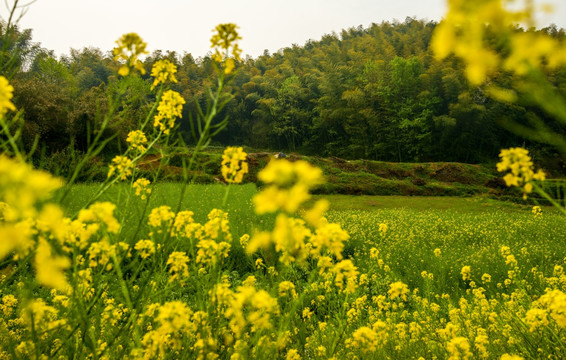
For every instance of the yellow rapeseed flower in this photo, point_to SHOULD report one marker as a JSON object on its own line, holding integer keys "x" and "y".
{"x": 511, "y": 357}
{"x": 234, "y": 165}
{"x": 346, "y": 272}
{"x": 463, "y": 32}
{"x": 178, "y": 266}
{"x": 288, "y": 185}
{"x": 130, "y": 47}
{"x": 459, "y": 349}
{"x": 521, "y": 170}
{"x": 141, "y": 186}
{"x": 50, "y": 267}
{"x": 364, "y": 339}
{"x": 122, "y": 166}
{"x": 6, "y": 95}
{"x": 161, "y": 216}
{"x": 287, "y": 288}
{"x": 100, "y": 212}
{"x": 169, "y": 109}
{"x": 22, "y": 187}
{"x": 466, "y": 273}
{"x": 137, "y": 140}
{"x": 163, "y": 71}
{"x": 225, "y": 46}
{"x": 398, "y": 289}
{"x": 146, "y": 248}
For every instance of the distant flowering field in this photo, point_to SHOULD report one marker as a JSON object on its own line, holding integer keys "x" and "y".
{"x": 121, "y": 279}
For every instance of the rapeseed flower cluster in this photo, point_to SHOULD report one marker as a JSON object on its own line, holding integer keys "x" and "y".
{"x": 464, "y": 32}
{"x": 224, "y": 43}
{"x": 128, "y": 50}
{"x": 169, "y": 109}
{"x": 121, "y": 166}
{"x": 137, "y": 140}
{"x": 287, "y": 186}
{"x": 162, "y": 72}
{"x": 141, "y": 186}
{"x": 6, "y": 95}
{"x": 521, "y": 169}
{"x": 234, "y": 165}
{"x": 298, "y": 240}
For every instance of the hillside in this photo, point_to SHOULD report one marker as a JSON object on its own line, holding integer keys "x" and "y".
{"x": 357, "y": 177}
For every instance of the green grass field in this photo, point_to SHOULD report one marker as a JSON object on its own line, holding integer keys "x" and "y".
{"x": 468, "y": 231}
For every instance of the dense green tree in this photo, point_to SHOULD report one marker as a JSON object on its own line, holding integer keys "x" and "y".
{"x": 375, "y": 93}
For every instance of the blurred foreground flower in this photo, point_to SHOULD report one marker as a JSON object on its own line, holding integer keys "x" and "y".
{"x": 225, "y": 46}
{"x": 130, "y": 47}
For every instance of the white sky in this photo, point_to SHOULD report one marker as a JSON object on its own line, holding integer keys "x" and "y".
{"x": 186, "y": 25}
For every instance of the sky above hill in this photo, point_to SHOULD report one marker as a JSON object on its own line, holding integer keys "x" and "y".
{"x": 186, "y": 25}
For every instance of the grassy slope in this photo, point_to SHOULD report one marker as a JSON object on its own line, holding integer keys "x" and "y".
{"x": 365, "y": 177}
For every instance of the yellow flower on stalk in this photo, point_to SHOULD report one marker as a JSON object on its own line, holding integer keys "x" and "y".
{"x": 467, "y": 29}
{"x": 146, "y": 248}
{"x": 50, "y": 268}
{"x": 554, "y": 301}
{"x": 287, "y": 288}
{"x": 363, "y": 339}
{"x": 40, "y": 317}
{"x": 130, "y": 47}
{"x": 225, "y": 46}
{"x": 329, "y": 236}
{"x": 244, "y": 239}
{"x": 292, "y": 354}
{"x": 466, "y": 273}
{"x": 22, "y": 187}
{"x": 141, "y": 186}
{"x": 169, "y": 109}
{"x": 217, "y": 227}
{"x": 521, "y": 169}
{"x": 163, "y": 71}
{"x": 184, "y": 224}
{"x": 398, "y": 289}
{"x": 137, "y": 140}
{"x": 537, "y": 211}
{"x": 253, "y": 307}
{"x": 100, "y": 212}
{"x": 210, "y": 252}
{"x": 178, "y": 266}
{"x": 6, "y": 95}
{"x": 288, "y": 185}
{"x": 346, "y": 272}
{"x": 536, "y": 318}
{"x": 122, "y": 166}
{"x": 172, "y": 319}
{"x": 459, "y": 348}
{"x": 160, "y": 217}
{"x": 101, "y": 252}
{"x": 234, "y": 165}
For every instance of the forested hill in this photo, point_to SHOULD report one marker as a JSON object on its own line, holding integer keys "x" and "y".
{"x": 375, "y": 93}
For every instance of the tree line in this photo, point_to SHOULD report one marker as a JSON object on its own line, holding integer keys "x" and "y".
{"x": 375, "y": 93}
